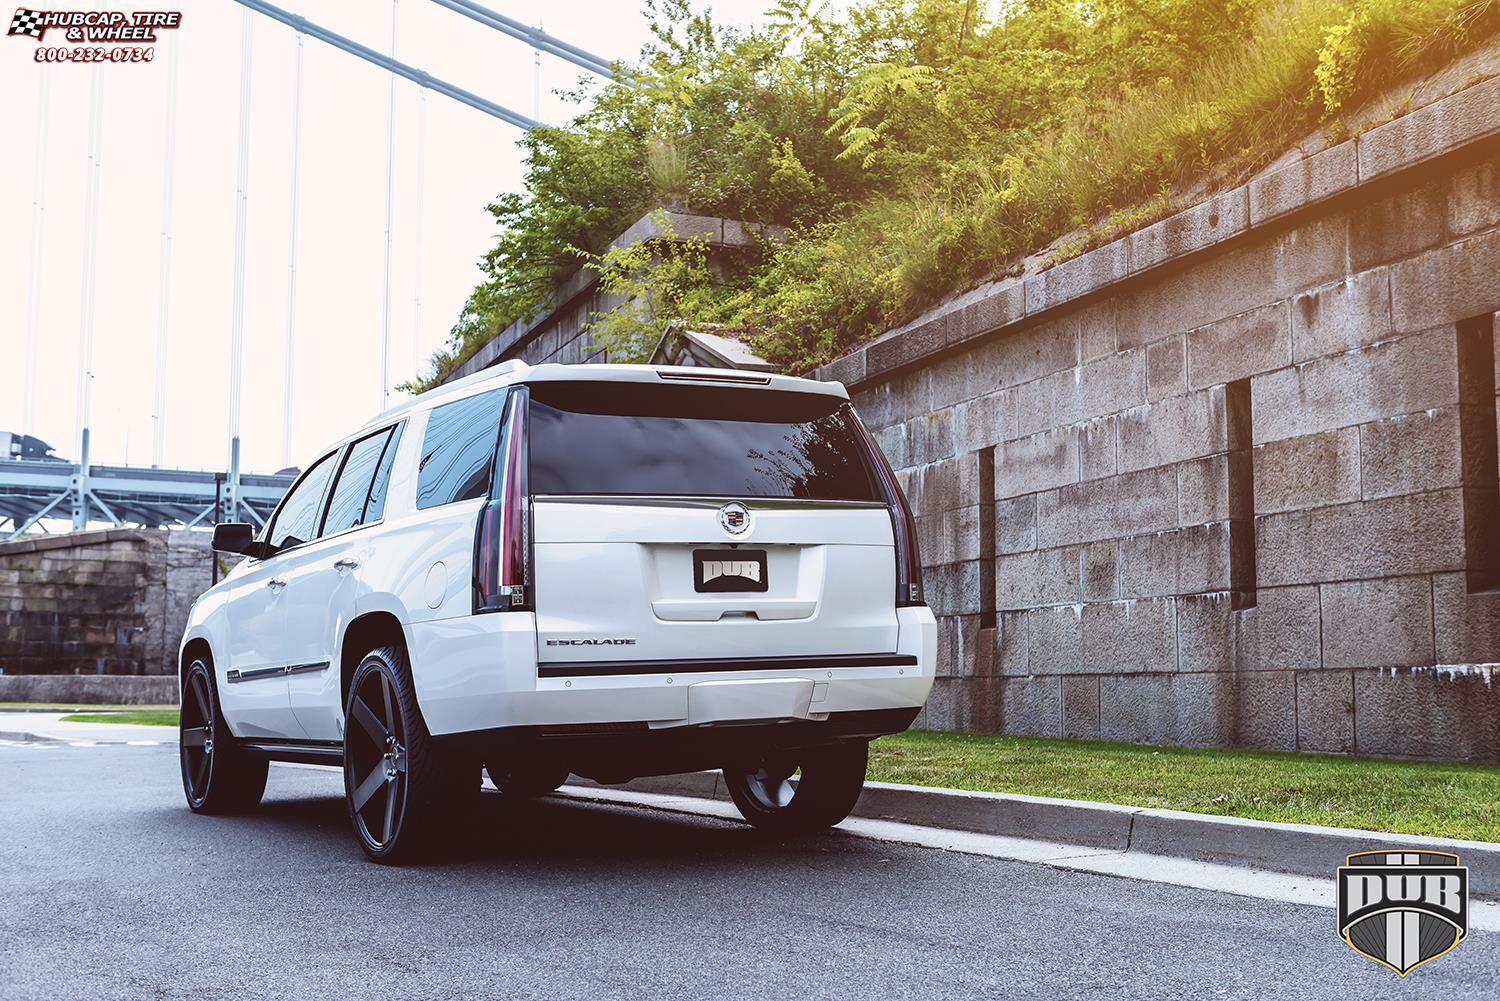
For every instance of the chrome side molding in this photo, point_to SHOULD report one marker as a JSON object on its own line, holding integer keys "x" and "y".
{"x": 275, "y": 672}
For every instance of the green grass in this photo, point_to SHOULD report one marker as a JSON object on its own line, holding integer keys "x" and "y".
{"x": 139, "y": 715}
{"x": 1403, "y": 797}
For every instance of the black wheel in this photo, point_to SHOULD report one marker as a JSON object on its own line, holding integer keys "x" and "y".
{"x": 527, "y": 781}
{"x": 398, "y": 785}
{"x": 830, "y": 783}
{"x": 217, "y": 775}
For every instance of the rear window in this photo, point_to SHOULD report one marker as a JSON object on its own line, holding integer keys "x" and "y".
{"x": 645, "y": 438}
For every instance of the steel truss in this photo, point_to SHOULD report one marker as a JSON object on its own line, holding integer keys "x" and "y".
{"x": 31, "y": 491}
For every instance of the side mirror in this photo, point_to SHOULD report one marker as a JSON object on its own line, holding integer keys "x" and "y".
{"x": 237, "y": 537}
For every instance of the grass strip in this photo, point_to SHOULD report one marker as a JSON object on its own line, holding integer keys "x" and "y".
{"x": 1442, "y": 799}
{"x": 139, "y": 716}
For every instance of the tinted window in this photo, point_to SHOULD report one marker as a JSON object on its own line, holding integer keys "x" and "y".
{"x": 346, "y": 508}
{"x": 635, "y": 438}
{"x": 296, "y": 521}
{"x": 458, "y": 449}
{"x": 375, "y": 508}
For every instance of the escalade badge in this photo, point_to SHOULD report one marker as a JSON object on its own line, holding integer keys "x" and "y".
{"x": 734, "y": 518}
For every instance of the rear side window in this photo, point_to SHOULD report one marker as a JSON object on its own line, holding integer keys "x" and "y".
{"x": 458, "y": 449}
{"x": 297, "y": 520}
{"x": 375, "y": 507}
{"x": 352, "y": 492}
{"x": 644, "y": 438}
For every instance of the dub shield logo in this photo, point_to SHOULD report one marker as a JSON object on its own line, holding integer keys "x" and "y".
{"x": 1403, "y": 909}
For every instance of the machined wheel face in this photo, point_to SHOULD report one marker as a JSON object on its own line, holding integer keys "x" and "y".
{"x": 375, "y": 758}
{"x": 196, "y": 735}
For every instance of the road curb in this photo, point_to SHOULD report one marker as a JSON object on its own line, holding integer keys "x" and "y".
{"x": 1295, "y": 849}
{"x": 28, "y": 738}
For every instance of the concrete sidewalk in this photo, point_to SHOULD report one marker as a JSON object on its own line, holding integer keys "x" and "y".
{"x": 48, "y": 728}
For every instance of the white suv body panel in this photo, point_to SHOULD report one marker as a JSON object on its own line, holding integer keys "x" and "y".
{"x": 830, "y": 580}
{"x": 477, "y": 678}
{"x": 602, "y": 570}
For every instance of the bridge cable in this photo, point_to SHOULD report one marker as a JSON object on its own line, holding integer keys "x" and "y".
{"x": 86, "y": 296}
{"x": 390, "y": 190}
{"x": 416, "y": 310}
{"x": 38, "y": 215}
{"x": 291, "y": 258}
{"x": 535, "y": 37}
{"x": 164, "y": 277}
{"x": 241, "y": 221}
{"x": 419, "y": 77}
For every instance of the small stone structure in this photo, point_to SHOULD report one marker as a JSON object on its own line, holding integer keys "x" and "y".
{"x": 700, "y": 349}
{"x": 110, "y": 602}
{"x": 556, "y": 334}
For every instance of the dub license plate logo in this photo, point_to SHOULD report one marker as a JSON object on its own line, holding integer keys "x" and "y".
{"x": 1403, "y": 909}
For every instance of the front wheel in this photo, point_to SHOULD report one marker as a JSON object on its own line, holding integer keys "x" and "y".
{"x": 217, "y": 776}
{"x": 830, "y": 783}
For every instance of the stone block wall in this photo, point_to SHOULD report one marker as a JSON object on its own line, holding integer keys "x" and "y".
{"x": 1232, "y": 479}
{"x": 103, "y": 602}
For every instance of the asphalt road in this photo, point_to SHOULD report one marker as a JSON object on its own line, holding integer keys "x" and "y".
{"x": 110, "y": 888}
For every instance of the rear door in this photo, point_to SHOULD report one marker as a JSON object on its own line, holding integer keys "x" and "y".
{"x": 697, "y": 523}
{"x": 323, "y": 583}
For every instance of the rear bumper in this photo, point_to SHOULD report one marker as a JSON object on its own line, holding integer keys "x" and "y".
{"x": 479, "y": 673}
{"x": 624, "y": 755}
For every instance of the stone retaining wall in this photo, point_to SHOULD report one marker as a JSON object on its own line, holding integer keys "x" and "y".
{"x": 90, "y": 689}
{"x": 1232, "y": 479}
{"x": 103, "y": 602}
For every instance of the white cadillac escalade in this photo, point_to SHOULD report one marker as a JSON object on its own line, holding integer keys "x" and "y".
{"x": 609, "y": 571}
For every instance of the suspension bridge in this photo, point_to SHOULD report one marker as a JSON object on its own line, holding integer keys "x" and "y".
{"x": 37, "y": 489}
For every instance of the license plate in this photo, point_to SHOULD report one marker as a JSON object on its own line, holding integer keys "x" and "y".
{"x": 720, "y": 570}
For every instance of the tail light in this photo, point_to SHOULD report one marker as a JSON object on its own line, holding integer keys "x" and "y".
{"x": 903, "y": 525}
{"x": 502, "y": 543}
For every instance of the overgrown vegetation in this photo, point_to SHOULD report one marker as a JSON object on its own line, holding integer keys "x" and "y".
{"x": 1404, "y": 797}
{"x": 913, "y": 147}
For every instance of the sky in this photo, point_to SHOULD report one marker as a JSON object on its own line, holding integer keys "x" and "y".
{"x": 441, "y": 186}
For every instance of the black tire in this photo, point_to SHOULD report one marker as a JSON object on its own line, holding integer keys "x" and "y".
{"x": 527, "y": 782}
{"x": 399, "y": 785}
{"x": 218, "y": 775}
{"x": 832, "y": 779}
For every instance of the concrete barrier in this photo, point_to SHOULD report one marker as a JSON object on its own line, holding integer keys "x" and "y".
{"x": 90, "y": 689}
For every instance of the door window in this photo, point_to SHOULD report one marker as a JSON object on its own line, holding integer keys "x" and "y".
{"x": 296, "y": 521}
{"x": 458, "y": 449}
{"x": 350, "y": 504}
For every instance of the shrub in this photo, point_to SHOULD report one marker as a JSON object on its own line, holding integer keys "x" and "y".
{"x": 914, "y": 147}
